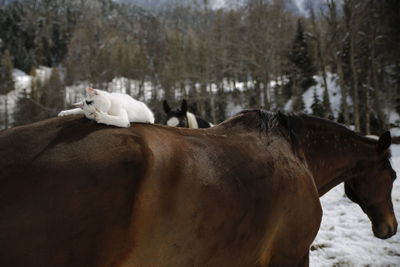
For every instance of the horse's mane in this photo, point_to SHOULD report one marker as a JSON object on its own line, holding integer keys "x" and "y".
{"x": 293, "y": 125}
{"x": 191, "y": 120}
{"x": 288, "y": 124}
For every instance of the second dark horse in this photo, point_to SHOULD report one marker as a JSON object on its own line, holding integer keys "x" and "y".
{"x": 183, "y": 118}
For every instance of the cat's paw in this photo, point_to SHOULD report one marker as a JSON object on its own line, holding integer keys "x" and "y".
{"x": 63, "y": 113}
{"x": 99, "y": 117}
{"x": 126, "y": 125}
{"x": 90, "y": 116}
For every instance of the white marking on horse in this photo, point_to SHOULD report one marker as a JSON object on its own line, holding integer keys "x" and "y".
{"x": 192, "y": 121}
{"x": 173, "y": 121}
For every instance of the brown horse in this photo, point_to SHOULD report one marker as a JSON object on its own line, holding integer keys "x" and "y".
{"x": 244, "y": 193}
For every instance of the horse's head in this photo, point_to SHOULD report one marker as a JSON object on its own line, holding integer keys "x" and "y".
{"x": 176, "y": 117}
{"x": 370, "y": 186}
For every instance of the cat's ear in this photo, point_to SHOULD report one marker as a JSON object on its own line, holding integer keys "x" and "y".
{"x": 78, "y": 105}
{"x": 167, "y": 109}
{"x": 184, "y": 106}
{"x": 91, "y": 92}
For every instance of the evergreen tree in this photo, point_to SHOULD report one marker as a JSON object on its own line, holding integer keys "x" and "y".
{"x": 279, "y": 97}
{"x": 38, "y": 32}
{"x": 327, "y": 111}
{"x": 303, "y": 67}
{"x": 6, "y": 81}
{"x": 221, "y": 106}
{"x": 52, "y": 95}
{"x": 6, "y": 78}
{"x": 316, "y": 107}
{"x": 26, "y": 110}
{"x": 298, "y": 103}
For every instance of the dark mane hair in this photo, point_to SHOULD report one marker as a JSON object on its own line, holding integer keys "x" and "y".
{"x": 289, "y": 124}
{"x": 292, "y": 125}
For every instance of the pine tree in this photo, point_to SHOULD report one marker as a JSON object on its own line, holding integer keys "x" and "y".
{"x": 6, "y": 81}
{"x": 52, "y": 95}
{"x": 299, "y": 56}
{"x": 298, "y": 103}
{"x": 327, "y": 111}
{"x": 221, "y": 106}
{"x": 316, "y": 107}
{"x": 26, "y": 109}
{"x": 6, "y": 78}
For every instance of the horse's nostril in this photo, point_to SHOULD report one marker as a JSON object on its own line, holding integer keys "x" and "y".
{"x": 392, "y": 225}
{"x": 381, "y": 231}
{"x": 393, "y": 228}
{"x": 384, "y": 230}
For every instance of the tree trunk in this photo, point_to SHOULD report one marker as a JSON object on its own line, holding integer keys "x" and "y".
{"x": 212, "y": 104}
{"x": 354, "y": 76}
{"x": 203, "y": 96}
{"x": 321, "y": 62}
{"x": 383, "y": 123}
{"x": 375, "y": 86}
{"x": 257, "y": 91}
{"x": 5, "y": 112}
{"x": 266, "y": 92}
{"x": 367, "y": 104}
{"x": 343, "y": 91}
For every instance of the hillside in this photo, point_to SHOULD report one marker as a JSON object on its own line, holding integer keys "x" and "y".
{"x": 145, "y": 90}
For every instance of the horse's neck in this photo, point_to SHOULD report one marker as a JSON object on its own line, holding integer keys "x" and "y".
{"x": 331, "y": 155}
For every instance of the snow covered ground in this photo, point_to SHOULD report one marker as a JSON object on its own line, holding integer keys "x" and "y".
{"x": 335, "y": 96}
{"x": 345, "y": 237}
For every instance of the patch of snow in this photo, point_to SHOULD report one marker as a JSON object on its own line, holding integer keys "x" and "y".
{"x": 335, "y": 96}
{"x": 395, "y": 131}
{"x": 22, "y": 81}
{"x": 393, "y": 117}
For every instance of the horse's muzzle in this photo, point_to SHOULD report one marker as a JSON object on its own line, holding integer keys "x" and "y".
{"x": 385, "y": 230}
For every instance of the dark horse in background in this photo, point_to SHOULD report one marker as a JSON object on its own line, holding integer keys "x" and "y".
{"x": 183, "y": 118}
{"x": 243, "y": 193}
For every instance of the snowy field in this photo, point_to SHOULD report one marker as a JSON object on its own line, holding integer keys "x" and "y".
{"x": 345, "y": 237}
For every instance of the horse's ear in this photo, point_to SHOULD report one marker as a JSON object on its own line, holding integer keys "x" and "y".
{"x": 384, "y": 141}
{"x": 167, "y": 109}
{"x": 184, "y": 106}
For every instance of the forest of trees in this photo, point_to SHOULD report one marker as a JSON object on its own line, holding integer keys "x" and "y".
{"x": 188, "y": 50}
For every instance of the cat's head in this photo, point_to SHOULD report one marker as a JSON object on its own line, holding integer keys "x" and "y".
{"x": 96, "y": 101}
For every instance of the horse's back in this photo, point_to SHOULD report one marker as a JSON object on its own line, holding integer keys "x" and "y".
{"x": 222, "y": 201}
{"x": 83, "y": 194}
{"x": 67, "y": 188}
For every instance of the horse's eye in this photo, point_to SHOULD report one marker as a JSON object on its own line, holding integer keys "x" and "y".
{"x": 89, "y": 102}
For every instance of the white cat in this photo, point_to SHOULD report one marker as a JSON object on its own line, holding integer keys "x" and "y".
{"x": 111, "y": 108}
